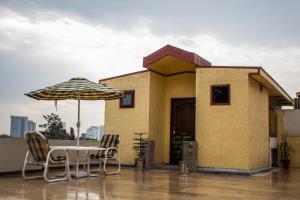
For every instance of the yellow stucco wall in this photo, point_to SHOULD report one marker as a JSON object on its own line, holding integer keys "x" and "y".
{"x": 157, "y": 115}
{"x": 295, "y": 142}
{"x": 230, "y": 136}
{"x": 179, "y": 86}
{"x": 223, "y": 130}
{"x": 280, "y": 123}
{"x": 259, "y": 125}
{"x": 151, "y": 113}
{"x": 126, "y": 121}
{"x": 162, "y": 90}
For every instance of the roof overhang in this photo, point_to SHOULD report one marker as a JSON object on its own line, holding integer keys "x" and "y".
{"x": 276, "y": 92}
{"x": 172, "y": 60}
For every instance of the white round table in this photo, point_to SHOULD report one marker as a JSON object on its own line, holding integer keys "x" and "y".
{"x": 78, "y": 174}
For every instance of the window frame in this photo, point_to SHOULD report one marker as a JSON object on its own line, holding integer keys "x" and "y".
{"x": 211, "y": 95}
{"x": 132, "y": 92}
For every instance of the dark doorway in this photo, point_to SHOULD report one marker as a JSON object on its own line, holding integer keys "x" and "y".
{"x": 182, "y": 126}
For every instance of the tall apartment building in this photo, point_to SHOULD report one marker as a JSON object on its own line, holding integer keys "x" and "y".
{"x": 19, "y": 125}
{"x": 31, "y": 126}
{"x": 95, "y": 132}
{"x": 101, "y": 132}
{"x": 92, "y": 132}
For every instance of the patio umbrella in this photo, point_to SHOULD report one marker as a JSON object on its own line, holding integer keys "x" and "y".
{"x": 76, "y": 89}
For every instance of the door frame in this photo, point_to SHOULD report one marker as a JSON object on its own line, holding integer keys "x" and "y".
{"x": 171, "y": 121}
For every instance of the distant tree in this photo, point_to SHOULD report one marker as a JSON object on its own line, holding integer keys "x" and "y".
{"x": 82, "y": 136}
{"x": 72, "y": 135}
{"x": 53, "y": 128}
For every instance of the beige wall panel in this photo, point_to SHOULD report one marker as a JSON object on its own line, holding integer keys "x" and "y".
{"x": 259, "y": 125}
{"x": 126, "y": 121}
{"x": 295, "y": 142}
{"x": 292, "y": 122}
{"x": 178, "y": 86}
{"x": 157, "y": 115}
{"x": 223, "y": 131}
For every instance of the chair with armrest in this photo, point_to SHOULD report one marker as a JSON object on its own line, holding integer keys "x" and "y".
{"x": 39, "y": 154}
{"x": 111, "y": 153}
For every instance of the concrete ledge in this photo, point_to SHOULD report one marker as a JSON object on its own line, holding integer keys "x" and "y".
{"x": 167, "y": 167}
{"x": 234, "y": 171}
{"x": 218, "y": 170}
{"x": 19, "y": 172}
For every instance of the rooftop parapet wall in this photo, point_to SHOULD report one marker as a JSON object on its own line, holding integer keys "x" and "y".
{"x": 291, "y": 122}
{"x": 285, "y": 125}
{"x": 13, "y": 151}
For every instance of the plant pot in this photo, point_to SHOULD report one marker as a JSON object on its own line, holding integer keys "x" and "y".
{"x": 139, "y": 164}
{"x": 286, "y": 163}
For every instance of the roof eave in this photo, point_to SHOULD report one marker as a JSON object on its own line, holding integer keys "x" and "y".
{"x": 266, "y": 80}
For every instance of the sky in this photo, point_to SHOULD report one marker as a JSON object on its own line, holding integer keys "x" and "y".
{"x": 47, "y": 42}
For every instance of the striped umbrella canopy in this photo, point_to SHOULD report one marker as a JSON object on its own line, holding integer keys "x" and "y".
{"x": 76, "y": 89}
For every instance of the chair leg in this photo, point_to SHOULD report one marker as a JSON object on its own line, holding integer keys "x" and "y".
{"x": 67, "y": 169}
{"x": 112, "y": 172}
{"x": 46, "y": 170}
{"x": 24, "y": 169}
{"x": 85, "y": 160}
{"x": 89, "y": 167}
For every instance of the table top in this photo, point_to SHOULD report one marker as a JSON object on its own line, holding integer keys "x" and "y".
{"x": 79, "y": 148}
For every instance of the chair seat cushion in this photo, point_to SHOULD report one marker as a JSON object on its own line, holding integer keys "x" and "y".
{"x": 98, "y": 156}
{"x": 57, "y": 158}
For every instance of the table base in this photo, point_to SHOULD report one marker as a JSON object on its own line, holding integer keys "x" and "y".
{"x": 81, "y": 174}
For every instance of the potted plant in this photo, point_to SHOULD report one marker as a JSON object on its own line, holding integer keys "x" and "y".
{"x": 139, "y": 147}
{"x": 286, "y": 152}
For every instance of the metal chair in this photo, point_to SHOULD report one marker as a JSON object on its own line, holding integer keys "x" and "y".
{"x": 111, "y": 153}
{"x": 39, "y": 154}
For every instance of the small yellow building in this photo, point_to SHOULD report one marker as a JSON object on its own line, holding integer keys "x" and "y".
{"x": 228, "y": 110}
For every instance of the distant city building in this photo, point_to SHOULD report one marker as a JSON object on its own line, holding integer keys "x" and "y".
{"x": 31, "y": 126}
{"x": 95, "y": 132}
{"x": 19, "y": 125}
{"x": 101, "y": 132}
{"x": 92, "y": 132}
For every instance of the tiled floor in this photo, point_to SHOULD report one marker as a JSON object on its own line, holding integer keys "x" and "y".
{"x": 158, "y": 184}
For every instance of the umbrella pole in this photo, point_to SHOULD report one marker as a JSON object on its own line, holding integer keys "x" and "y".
{"x": 78, "y": 123}
{"x": 78, "y": 130}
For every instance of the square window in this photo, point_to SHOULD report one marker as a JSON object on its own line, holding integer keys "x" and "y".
{"x": 220, "y": 95}
{"x": 128, "y": 100}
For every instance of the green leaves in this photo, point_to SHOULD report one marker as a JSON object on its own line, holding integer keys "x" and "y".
{"x": 53, "y": 128}
{"x": 139, "y": 145}
{"x": 286, "y": 150}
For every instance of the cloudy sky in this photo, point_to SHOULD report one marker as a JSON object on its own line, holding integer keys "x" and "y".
{"x": 46, "y": 42}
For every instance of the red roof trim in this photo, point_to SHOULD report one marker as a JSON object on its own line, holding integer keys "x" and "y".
{"x": 122, "y": 75}
{"x": 149, "y": 70}
{"x": 231, "y": 67}
{"x": 181, "y": 54}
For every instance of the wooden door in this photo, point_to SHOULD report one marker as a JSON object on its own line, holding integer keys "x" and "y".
{"x": 182, "y": 126}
